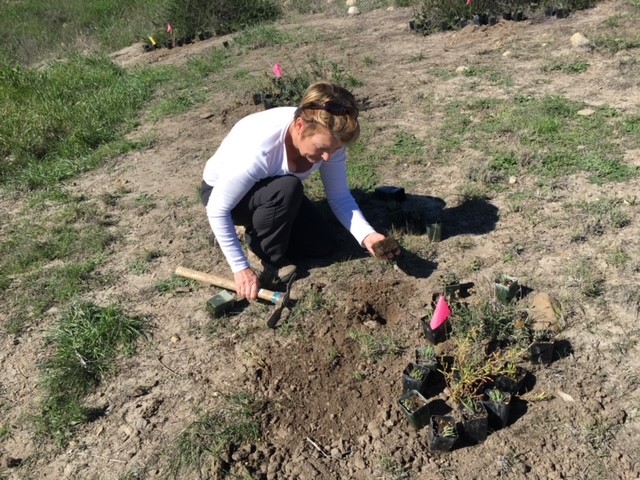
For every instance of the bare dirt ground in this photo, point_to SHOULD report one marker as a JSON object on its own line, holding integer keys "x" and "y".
{"x": 320, "y": 421}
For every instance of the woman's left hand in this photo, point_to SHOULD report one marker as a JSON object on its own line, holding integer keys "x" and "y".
{"x": 375, "y": 237}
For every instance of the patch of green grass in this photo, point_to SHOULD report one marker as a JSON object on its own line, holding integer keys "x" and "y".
{"x": 551, "y": 139}
{"x": 49, "y": 259}
{"x": 408, "y": 147}
{"x": 442, "y": 73}
{"x": 495, "y": 76}
{"x": 145, "y": 203}
{"x": 618, "y": 257}
{"x": 598, "y": 216}
{"x": 375, "y": 347}
{"x": 236, "y": 423}
{"x": 615, "y": 44}
{"x": 262, "y": 36}
{"x": 58, "y": 121}
{"x": 86, "y": 344}
{"x": 5, "y": 432}
{"x": 142, "y": 264}
{"x": 175, "y": 282}
{"x": 587, "y": 278}
{"x": 576, "y": 66}
{"x": 393, "y": 469}
{"x": 43, "y": 30}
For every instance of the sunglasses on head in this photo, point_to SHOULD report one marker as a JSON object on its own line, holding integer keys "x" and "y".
{"x": 334, "y": 108}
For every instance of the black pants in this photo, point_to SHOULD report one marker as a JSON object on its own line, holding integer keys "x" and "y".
{"x": 281, "y": 222}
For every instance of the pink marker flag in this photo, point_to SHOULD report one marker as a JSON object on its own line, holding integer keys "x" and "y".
{"x": 469, "y": 2}
{"x": 169, "y": 28}
{"x": 277, "y": 70}
{"x": 440, "y": 314}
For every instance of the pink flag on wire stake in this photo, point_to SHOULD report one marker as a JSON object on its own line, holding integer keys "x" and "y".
{"x": 440, "y": 314}
{"x": 169, "y": 28}
{"x": 277, "y": 70}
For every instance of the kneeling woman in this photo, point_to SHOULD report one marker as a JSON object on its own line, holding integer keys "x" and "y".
{"x": 255, "y": 177}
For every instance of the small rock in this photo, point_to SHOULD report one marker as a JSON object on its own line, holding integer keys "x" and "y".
{"x": 175, "y": 338}
{"x": 586, "y": 112}
{"x": 391, "y": 8}
{"x": 461, "y": 69}
{"x": 544, "y": 311}
{"x": 579, "y": 40}
{"x": 507, "y": 54}
{"x": 358, "y": 462}
{"x": 371, "y": 324}
{"x": 351, "y": 3}
{"x": 512, "y": 180}
{"x": 353, "y": 11}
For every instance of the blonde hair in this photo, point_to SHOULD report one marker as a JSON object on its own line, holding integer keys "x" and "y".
{"x": 329, "y": 105}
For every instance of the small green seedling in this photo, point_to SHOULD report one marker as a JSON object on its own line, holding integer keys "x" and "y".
{"x": 417, "y": 373}
{"x": 426, "y": 353}
{"x": 448, "y": 431}
{"x": 496, "y": 396}
{"x": 471, "y": 406}
{"x": 410, "y": 405}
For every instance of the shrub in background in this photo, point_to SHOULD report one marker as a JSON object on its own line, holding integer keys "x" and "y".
{"x": 190, "y": 17}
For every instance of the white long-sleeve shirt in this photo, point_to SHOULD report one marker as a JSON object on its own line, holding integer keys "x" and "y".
{"x": 255, "y": 149}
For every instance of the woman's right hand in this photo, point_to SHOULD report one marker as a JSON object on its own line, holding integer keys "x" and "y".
{"x": 247, "y": 284}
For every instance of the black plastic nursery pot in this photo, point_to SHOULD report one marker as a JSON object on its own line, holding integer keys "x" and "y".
{"x": 443, "y": 433}
{"x": 390, "y": 193}
{"x": 168, "y": 43}
{"x": 436, "y": 336}
{"x": 507, "y": 16}
{"x": 562, "y": 13}
{"x": 506, "y": 288}
{"x": 415, "y": 377}
{"x": 475, "y": 425}
{"x": 542, "y": 352}
{"x": 415, "y": 407}
{"x": 519, "y": 17}
{"x": 499, "y": 411}
{"x": 512, "y": 385}
{"x": 425, "y": 357}
{"x": 482, "y": 19}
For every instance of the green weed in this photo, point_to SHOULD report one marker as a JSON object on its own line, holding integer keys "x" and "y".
{"x": 86, "y": 344}
{"x": 393, "y": 469}
{"x": 619, "y": 257}
{"x": 375, "y": 347}
{"x": 237, "y": 422}
{"x": 170, "y": 285}
{"x": 587, "y": 278}
{"x": 615, "y": 44}
{"x": 577, "y": 66}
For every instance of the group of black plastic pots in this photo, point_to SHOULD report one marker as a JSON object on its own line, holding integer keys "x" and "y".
{"x": 169, "y": 43}
{"x": 477, "y": 416}
{"x": 424, "y": 26}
